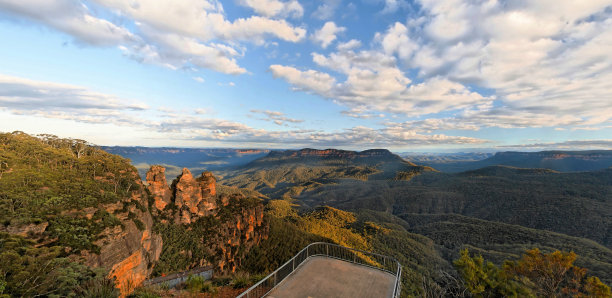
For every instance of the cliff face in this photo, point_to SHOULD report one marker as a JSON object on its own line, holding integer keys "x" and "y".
{"x": 236, "y": 236}
{"x": 233, "y": 224}
{"x": 158, "y": 187}
{"x": 128, "y": 250}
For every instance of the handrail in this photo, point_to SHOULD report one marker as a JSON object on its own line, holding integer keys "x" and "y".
{"x": 330, "y": 250}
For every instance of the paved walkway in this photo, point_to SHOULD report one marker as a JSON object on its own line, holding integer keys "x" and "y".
{"x": 325, "y": 277}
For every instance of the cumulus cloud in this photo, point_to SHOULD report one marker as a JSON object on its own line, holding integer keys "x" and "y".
{"x": 169, "y": 33}
{"x": 349, "y": 45}
{"x": 309, "y": 81}
{"x": 374, "y": 82}
{"x": 491, "y": 63}
{"x": 275, "y": 8}
{"x": 278, "y": 118}
{"x": 327, "y": 34}
{"x": 203, "y": 20}
{"x": 545, "y": 60}
{"x": 326, "y": 9}
{"x": 71, "y": 17}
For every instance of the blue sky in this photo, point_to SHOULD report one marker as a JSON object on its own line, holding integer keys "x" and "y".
{"x": 405, "y": 75}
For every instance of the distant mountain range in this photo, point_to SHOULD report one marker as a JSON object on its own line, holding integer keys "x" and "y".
{"x": 196, "y": 159}
{"x": 562, "y": 161}
{"x": 287, "y": 173}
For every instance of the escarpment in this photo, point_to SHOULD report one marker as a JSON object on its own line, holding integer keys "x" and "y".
{"x": 128, "y": 250}
{"x": 86, "y": 204}
{"x": 201, "y": 227}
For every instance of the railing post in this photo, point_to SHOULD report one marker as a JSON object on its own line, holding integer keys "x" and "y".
{"x": 327, "y": 250}
{"x": 293, "y": 264}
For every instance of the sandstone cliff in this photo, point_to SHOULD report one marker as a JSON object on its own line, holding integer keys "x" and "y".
{"x": 128, "y": 250}
{"x": 158, "y": 187}
{"x": 237, "y": 234}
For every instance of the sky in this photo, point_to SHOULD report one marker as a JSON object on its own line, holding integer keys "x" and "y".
{"x": 422, "y": 75}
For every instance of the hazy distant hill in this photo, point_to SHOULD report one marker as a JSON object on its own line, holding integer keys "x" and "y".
{"x": 196, "y": 160}
{"x": 563, "y": 161}
{"x": 288, "y": 173}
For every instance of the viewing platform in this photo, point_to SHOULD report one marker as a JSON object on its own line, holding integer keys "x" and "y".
{"x": 330, "y": 270}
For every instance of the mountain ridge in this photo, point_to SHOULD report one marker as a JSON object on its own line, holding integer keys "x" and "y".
{"x": 558, "y": 160}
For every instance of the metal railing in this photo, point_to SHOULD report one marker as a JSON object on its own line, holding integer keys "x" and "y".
{"x": 356, "y": 256}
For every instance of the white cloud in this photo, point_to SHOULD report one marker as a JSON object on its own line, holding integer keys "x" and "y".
{"x": 545, "y": 60}
{"x": 70, "y": 17}
{"x": 327, "y": 9}
{"x": 278, "y": 118}
{"x": 374, "y": 82}
{"x": 199, "y": 79}
{"x": 349, "y": 45}
{"x": 26, "y": 94}
{"x": 174, "y": 34}
{"x": 547, "y": 64}
{"x": 356, "y": 137}
{"x": 392, "y": 6}
{"x": 22, "y": 96}
{"x": 327, "y": 34}
{"x": 203, "y": 20}
{"x": 275, "y": 8}
{"x": 361, "y": 113}
{"x": 397, "y": 41}
{"x": 176, "y": 50}
{"x": 310, "y": 80}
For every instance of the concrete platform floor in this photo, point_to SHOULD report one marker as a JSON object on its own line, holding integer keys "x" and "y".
{"x": 325, "y": 277}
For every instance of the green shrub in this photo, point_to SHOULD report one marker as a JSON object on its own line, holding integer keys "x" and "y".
{"x": 241, "y": 280}
{"x": 195, "y": 283}
{"x": 146, "y": 292}
{"x": 98, "y": 288}
{"x": 139, "y": 224}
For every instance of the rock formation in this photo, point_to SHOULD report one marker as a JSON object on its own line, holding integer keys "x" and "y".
{"x": 158, "y": 187}
{"x": 192, "y": 197}
{"x": 239, "y": 222}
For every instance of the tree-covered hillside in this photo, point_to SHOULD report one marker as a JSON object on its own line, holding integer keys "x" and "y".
{"x": 576, "y": 204}
{"x": 50, "y": 181}
{"x": 286, "y": 174}
{"x": 54, "y": 227}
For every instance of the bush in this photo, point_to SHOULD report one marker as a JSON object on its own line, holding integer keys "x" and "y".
{"x": 535, "y": 274}
{"x": 195, "y": 283}
{"x": 98, "y": 288}
{"x": 146, "y": 292}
